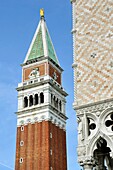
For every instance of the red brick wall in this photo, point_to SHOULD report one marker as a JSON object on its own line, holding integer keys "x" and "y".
{"x": 44, "y": 69}
{"x": 18, "y": 148}
{"x": 37, "y": 145}
{"x": 58, "y": 158}
{"x": 51, "y": 72}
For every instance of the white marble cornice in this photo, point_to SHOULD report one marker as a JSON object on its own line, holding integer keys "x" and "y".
{"x": 94, "y": 107}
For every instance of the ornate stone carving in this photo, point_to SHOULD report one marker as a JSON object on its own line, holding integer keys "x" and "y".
{"x": 55, "y": 76}
{"x": 61, "y": 123}
{"x": 81, "y": 151}
{"x": 34, "y": 73}
{"x": 109, "y": 122}
{"x": 91, "y": 126}
{"x": 80, "y": 130}
{"x": 98, "y": 119}
{"x": 95, "y": 108}
{"x": 86, "y": 160}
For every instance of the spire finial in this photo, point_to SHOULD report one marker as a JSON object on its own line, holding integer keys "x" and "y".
{"x": 42, "y": 13}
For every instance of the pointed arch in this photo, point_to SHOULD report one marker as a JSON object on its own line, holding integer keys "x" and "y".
{"x": 105, "y": 113}
{"x": 92, "y": 144}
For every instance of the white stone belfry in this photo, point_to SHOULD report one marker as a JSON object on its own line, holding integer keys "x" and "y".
{"x": 93, "y": 82}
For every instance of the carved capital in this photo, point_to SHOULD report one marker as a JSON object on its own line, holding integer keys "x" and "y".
{"x": 86, "y": 160}
{"x": 81, "y": 151}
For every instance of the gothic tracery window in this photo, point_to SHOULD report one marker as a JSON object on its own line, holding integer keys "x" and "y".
{"x": 109, "y": 122}
{"x": 102, "y": 155}
{"x": 91, "y": 125}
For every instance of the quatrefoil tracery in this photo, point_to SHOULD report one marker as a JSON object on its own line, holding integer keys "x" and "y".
{"x": 109, "y": 123}
{"x": 92, "y": 125}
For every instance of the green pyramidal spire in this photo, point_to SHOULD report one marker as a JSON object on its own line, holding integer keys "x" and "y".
{"x": 41, "y": 45}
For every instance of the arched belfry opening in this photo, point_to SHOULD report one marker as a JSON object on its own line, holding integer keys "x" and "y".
{"x": 103, "y": 161}
{"x": 36, "y": 99}
{"x": 30, "y": 100}
{"x": 41, "y": 98}
{"x": 25, "y": 102}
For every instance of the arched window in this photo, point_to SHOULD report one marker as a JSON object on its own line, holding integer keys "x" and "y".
{"x": 21, "y": 160}
{"x": 22, "y": 128}
{"x": 21, "y": 143}
{"x": 36, "y": 99}
{"x": 41, "y": 98}
{"x": 57, "y": 103}
{"x": 25, "y": 102}
{"x": 102, "y": 155}
{"x": 51, "y": 98}
{"x": 30, "y": 100}
{"x": 54, "y": 98}
{"x": 60, "y": 106}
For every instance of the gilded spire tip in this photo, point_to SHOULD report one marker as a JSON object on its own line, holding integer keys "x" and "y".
{"x": 42, "y": 13}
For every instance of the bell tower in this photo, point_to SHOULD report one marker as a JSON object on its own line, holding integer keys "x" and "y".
{"x": 93, "y": 81}
{"x": 41, "y": 118}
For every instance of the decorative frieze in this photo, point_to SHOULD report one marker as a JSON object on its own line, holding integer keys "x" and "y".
{"x": 25, "y": 119}
{"x": 96, "y": 107}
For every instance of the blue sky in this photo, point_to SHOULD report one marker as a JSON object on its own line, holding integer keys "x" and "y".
{"x": 18, "y": 22}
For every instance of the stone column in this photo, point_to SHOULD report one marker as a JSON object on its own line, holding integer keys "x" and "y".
{"x": 39, "y": 98}
{"x": 20, "y": 102}
{"x": 28, "y": 101}
{"x": 63, "y": 107}
{"x": 88, "y": 163}
{"x": 46, "y": 96}
{"x": 33, "y": 99}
